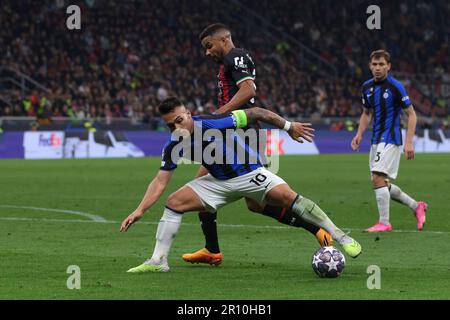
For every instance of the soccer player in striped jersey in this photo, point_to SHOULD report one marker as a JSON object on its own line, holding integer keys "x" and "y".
{"x": 229, "y": 179}
{"x": 237, "y": 90}
{"x": 384, "y": 98}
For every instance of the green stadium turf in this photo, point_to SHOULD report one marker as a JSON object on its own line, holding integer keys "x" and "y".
{"x": 262, "y": 258}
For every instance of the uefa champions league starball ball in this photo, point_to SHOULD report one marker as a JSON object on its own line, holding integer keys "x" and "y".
{"x": 328, "y": 262}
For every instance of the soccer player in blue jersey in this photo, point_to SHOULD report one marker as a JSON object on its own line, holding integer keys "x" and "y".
{"x": 227, "y": 181}
{"x": 384, "y": 98}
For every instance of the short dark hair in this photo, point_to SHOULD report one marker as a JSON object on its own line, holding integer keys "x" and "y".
{"x": 168, "y": 105}
{"x": 377, "y": 54}
{"x": 212, "y": 29}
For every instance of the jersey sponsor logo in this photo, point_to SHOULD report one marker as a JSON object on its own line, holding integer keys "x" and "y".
{"x": 239, "y": 63}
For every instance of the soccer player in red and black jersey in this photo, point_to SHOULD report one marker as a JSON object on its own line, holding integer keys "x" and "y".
{"x": 237, "y": 90}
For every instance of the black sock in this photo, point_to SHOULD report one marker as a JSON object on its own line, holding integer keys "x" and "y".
{"x": 209, "y": 227}
{"x": 290, "y": 218}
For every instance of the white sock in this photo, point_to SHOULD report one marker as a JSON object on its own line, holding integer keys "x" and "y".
{"x": 312, "y": 213}
{"x": 398, "y": 195}
{"x": 382, "y": 195}
{"x": 167, "y": 229}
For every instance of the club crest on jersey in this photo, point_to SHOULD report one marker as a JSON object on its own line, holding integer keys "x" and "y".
{"x": 385, "y": 95}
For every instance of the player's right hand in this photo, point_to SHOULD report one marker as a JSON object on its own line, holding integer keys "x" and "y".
{"x": 409, "y": 151}
{"x": 132, "y": 218}
{"x": 356, "y": 142}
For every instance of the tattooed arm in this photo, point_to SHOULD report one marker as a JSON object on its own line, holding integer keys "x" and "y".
{"x": 296, "y": 130}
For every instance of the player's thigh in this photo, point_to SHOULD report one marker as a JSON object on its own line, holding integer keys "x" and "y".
{"x": 261, "y": 185}
{"x": 392, "y": 160}
{"x": 212, "y": 192}
{"x": 282, "y": 195}
{"x": 184, "y": 200}
{"x": 385, "y": 159}
{"x": 254, "y": 205}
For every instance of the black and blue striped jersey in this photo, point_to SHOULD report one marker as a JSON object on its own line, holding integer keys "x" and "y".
{"x": 211, "y": 134}
{"x": 386, "y": 99}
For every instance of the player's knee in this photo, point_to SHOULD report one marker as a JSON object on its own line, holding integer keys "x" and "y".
{"x": 282, "y": 196}
{"x": 287, "y": 199}
{"x": 378, "y": 179}
{"x": 174, "y": 202}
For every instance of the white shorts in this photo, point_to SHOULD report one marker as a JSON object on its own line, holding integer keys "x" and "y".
{"x": 215, "y": 193}
{"x": 385, "y": 158}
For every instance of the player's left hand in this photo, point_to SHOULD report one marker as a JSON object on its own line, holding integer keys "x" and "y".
{"x": 300, "y": 131}
{"x": 409, "y": 151}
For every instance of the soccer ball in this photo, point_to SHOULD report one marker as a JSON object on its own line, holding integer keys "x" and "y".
{"x": 328, "y": 262}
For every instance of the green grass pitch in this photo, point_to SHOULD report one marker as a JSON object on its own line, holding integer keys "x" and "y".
{"x": 262, "y": 258}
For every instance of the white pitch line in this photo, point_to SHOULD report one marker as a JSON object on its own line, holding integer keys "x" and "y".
{"x": 197, "y": 224}
{"x": 51, "y": 220}
{"x": 93, "y": 217}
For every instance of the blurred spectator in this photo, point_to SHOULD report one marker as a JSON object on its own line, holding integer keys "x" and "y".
{"x": 337, "y": 126}
{"x": 114, "y": 68}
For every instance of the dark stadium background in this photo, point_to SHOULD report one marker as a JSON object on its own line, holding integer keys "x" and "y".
{"x": 311, "y": 56}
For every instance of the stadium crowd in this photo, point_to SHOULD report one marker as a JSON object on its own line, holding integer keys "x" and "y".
{"x": 129, "y": 55}
{"x": 416, "y": 33}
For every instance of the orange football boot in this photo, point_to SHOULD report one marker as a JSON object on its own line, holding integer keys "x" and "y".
{"x": 324, "y": 238}
{"x": 203, "y": 256}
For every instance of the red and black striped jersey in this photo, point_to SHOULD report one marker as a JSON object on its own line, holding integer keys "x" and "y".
{"x": 237, "y": 67}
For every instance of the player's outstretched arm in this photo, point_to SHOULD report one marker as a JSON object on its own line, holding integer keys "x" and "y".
{"x": 154, "y": 191}
{"x": 364, "y": 122}
{"x": 298, "y": 131}
{"x": 412, "y": 121}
